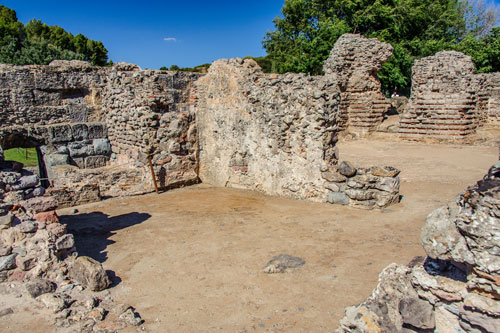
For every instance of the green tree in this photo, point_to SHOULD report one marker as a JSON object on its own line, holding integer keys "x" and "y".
{"x": 308, "y": 29}
{"x": 38, "y": 43}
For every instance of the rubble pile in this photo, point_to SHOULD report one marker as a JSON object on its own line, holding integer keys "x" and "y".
{"x": 457, "y": 287}
{"x": 38, "y": 259}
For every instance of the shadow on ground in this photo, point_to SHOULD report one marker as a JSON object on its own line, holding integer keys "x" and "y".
{"x": 93, "y": 231}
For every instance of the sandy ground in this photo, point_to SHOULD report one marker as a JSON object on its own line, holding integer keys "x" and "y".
{"x": 192, "y": 259}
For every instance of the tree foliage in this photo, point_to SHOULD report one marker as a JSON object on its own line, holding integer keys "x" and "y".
{"x": 308, "y": 29}
{"x": 39, "y": 43}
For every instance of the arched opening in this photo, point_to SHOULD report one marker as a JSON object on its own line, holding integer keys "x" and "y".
{"x": 25, "y": 149}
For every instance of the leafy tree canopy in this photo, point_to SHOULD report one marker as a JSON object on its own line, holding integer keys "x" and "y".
{"x": 308, "y": 29}
{"x": 39, "y": 43}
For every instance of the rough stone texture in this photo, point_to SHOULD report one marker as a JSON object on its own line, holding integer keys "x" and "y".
{"x": 266, "y": 132}
{"x": 89, "y": 273}
{"x": 282, "y": 263}
{"x": 353, "y": 63}
{"x": 277, "y": 133}
{"x": 457, "y": 288}
{"x": 449, "y": 101}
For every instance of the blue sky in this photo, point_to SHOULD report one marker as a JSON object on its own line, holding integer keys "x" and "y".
{"x": 161, "y": 33}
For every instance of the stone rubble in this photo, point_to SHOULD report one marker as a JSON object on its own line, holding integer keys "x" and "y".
{"x": 457, "y": 287}
{"x": 38, "y": 260}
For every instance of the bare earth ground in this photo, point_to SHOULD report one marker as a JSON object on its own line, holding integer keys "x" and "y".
{"x": 192, "y": 259}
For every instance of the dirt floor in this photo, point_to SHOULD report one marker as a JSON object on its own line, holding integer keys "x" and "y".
{"x": 192, "y": 259}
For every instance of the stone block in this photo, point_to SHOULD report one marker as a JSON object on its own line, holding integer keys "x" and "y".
{"x": 338, "y": 198}
{"x": 96, "y": 131}
{"x": 89, "y": 273}
{"x": 102, "y": 147}
{"x": 7, "y": 262}
{"x": 60, "y": 133}
{"x": 80, "y": 132}
{"x": 93, "y": 162}
{"x": 78, "y": 113}
{"x": 56, "y": 159}
{"x": 80, "y": 149}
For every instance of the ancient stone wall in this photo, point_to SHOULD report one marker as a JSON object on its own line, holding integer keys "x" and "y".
{"x": 448, "y": 101}
{"x": 149, "y": 112}
{"x": 277, "y": 134}
{"x": 266, "y": 132}
{"x": 353, "y": 64}
{"x": 457, "y": 287}
{"x": 82, "y": 117}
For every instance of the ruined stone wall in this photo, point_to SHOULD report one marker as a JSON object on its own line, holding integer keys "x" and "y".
{"x": 108, "y": 119}
{"x": 149, "y": 112}
{"x": 488, "y": 96}
{"x": 277, "y": 134}
{"x": 353, "y": 64}
{"x": 449, "y": 101}
{"x": 457, "y": 287}
{"x": 266, "y": 132}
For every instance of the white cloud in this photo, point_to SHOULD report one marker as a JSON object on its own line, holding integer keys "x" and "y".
{"x": 170, "y": 39}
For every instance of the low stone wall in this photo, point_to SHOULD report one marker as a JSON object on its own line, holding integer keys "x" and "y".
{"x": 457, "y": 287}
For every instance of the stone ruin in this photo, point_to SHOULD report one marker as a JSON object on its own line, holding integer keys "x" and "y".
{"x": 235, "y": 126}
{"x": 97, "y": 129}
{"x": 457, "y": 287}
{"x": 449, "y": 101}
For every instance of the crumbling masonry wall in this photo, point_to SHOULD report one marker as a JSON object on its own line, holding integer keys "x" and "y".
{"x": 449, "y": 101}
{"x": 277, "y": 133}
{"x": 96, "y": 127}
{"x": 354, "y": 63}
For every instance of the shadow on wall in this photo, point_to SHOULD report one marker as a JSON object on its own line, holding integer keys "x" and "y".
{"x": 93, "y": 231}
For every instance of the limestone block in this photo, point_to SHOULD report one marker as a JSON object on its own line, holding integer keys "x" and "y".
{"x": 60, "y": 133}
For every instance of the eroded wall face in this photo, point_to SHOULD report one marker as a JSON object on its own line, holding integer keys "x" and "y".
{"x": 149, "y": 112}
{"x": 353, "y": 64}
{"x": 98, "y": 125}
{"x": 274, "y": 133}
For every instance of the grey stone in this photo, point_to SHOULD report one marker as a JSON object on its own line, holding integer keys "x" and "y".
{"x": 93, "y": 162}
{"x": 65, "y": 242}
{"x": 60, "y": 133}
{"x": 6, "y": 219}
{"x": 28, "y": 227}
{"x": 338, "y": 198}
{"x": 80, "y": 132}
{"x": 39, "y": 204}
{"x": 102, "y": 147}
{"x": 96, "y": 131}
{"x": 80, "y": 149}
{"x": 333, "y": 176}
{"x": 25, "y": 182}
{"x": 282, "y": 263}
{"x": 89, "y": 273}
{"x": 347, "y": 169}
{"x": 417, "y": 313}
{"x": 39, "y": 286}
{"x": 78, "y": 113}
{"x": 7, "y": 262}
{"x": 56, "y": 159}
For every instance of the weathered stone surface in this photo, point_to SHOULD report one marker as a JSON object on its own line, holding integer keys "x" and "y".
{"x": 39, "y": 204}
{"x": 65, "y": 242}
{"x": 89, "y": 273}
{"x": 282, "y": 263}
{"x": 57, "y": 229}
{"x": 52, "y": 301}
{"x": 468, "y": 232}
{"x": 338, "y": 198}
{"x": 7, "y": 262}
{"x": 347, "y": 169}
{"x": 28, "y": 227}
{"x": 459, "y": 290}
{"x": 39, "y": 287}
{"x": 6, "y": 220}
{"x": 353, "y": 63}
